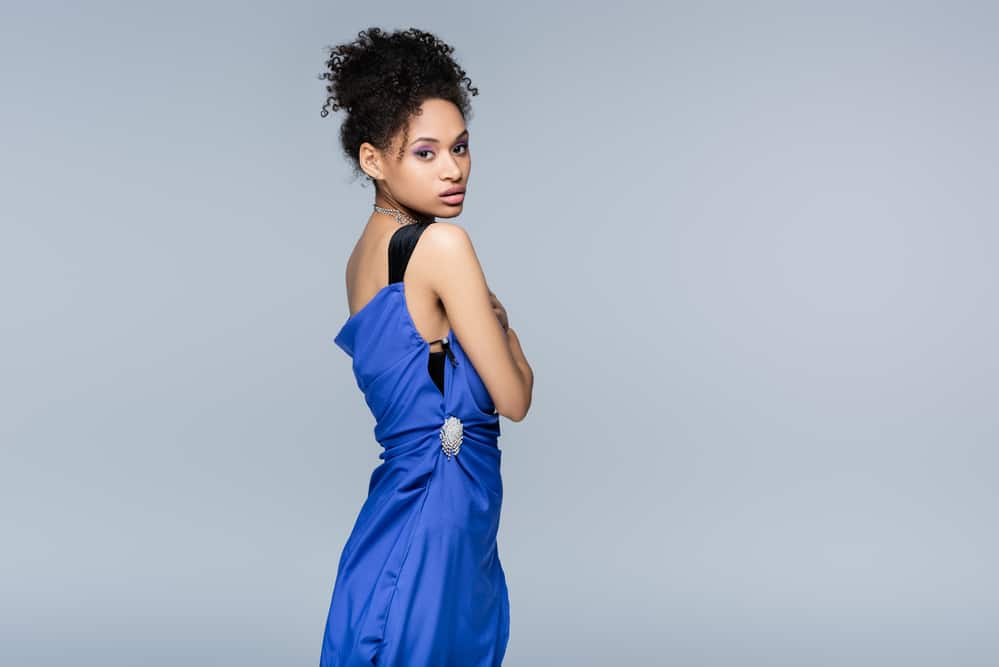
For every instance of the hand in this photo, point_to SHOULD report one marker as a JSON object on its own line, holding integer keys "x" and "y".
{"x": 499, "y": 310}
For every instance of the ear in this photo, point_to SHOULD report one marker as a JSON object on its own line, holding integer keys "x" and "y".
{"x": 370, "y": 159}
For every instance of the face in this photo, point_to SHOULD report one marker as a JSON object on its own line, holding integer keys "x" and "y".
{"x": 435, "y": 158}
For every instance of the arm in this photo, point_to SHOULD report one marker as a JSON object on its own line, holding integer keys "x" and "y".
{"x": 527, "y": 374}
{"x": 460, "y": 283}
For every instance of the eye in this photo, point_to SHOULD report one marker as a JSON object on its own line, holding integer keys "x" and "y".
{"x": 465, "y": 146}
{"x": 424, "y": 150}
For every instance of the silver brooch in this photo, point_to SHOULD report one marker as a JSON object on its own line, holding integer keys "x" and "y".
{"x": 451, "y": 435}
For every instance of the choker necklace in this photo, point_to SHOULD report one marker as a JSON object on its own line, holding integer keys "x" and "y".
{"x": 397, "y": 214}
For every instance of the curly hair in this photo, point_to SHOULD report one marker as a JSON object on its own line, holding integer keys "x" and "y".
{"x": 381, "y": 79}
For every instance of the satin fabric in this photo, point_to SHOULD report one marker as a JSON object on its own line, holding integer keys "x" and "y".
{"x": 419, "y": 580}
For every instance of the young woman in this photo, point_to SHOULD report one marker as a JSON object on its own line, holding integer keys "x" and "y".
{"x": 419, "y": 581}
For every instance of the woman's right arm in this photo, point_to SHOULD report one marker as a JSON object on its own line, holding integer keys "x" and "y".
{"x": 495, "y": 353}
{"x": 527, "y": 374}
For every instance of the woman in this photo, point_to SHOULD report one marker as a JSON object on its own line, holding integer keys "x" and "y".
{"x": 419, "y": 581}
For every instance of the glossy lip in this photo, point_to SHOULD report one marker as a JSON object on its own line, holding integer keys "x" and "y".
{"x": 453, "y": 191}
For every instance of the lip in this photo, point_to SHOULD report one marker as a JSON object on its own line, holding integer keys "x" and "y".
{"x": 453, "y": 196}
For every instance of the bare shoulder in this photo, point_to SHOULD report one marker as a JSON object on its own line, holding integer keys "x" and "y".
{"x": 447, "y": 239}
{"x": 450, "y": 252}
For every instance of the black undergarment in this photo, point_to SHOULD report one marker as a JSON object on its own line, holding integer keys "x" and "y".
{"x": 400, "y": 248}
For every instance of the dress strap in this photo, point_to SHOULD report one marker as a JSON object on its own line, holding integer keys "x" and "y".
{"x": 401, "y": 246}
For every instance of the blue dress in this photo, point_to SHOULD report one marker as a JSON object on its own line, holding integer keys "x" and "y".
{"x": 419, "y": 581}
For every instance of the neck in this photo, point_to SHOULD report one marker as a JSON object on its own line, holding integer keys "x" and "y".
{"x": 408, "y": 214}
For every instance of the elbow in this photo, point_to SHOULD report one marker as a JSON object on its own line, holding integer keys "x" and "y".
{"x": 516, "y": 412}
{"x": 516, "y": 409}
{"x": 515, "y": 416}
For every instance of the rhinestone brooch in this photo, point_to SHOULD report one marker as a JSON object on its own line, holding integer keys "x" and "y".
{"x": 451, "y": 436}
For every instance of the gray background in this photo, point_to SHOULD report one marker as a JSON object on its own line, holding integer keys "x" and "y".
{"x": 749, "y": 250}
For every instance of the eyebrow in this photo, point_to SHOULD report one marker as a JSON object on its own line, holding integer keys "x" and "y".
{"x": 431, "y": 139}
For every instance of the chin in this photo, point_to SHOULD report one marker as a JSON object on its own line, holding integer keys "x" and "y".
{"x": 451, "y": 212}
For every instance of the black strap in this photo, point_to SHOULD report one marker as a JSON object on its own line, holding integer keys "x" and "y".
{"x": 401, "y": 246}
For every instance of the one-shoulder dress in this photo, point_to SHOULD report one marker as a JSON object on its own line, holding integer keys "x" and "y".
{"x": 419, "y": 581}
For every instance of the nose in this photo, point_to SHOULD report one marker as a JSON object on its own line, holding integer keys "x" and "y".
{"x": 452, "y": 170}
